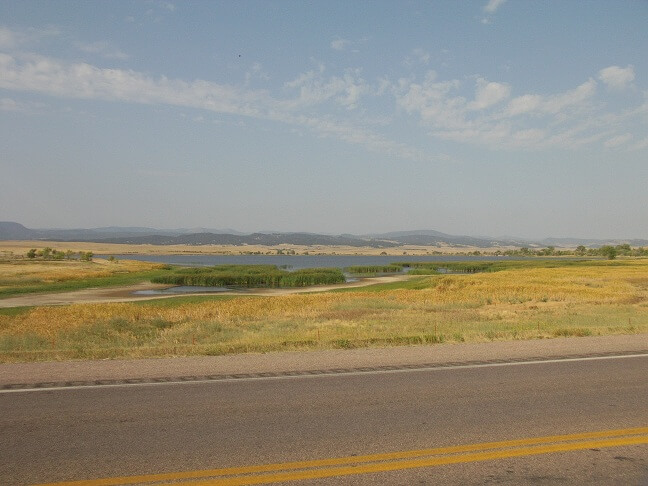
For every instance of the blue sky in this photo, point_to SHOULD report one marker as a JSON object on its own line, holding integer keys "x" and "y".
{"x": 483, "y": 118}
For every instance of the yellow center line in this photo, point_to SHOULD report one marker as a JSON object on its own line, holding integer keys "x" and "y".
{"x": 411, "y": 464}
{"x": 359, "y": 463}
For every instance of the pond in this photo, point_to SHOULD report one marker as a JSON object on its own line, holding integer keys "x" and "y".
{"x": 296, "y": 262}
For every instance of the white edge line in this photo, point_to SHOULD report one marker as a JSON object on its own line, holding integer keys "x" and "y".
{"x": 440, "y": 367}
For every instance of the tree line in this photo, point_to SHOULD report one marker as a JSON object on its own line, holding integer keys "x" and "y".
{"x": 48, "y": 253}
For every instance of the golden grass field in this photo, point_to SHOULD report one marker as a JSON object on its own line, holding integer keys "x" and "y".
{"x": 594, "y": 298}
{"x": 24, "y": 272}
{"x": 21, "y": 247}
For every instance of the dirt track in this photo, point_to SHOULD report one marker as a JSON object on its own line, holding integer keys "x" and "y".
{"x": 126, "y": 294}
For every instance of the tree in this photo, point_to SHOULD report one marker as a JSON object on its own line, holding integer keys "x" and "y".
{"x": 86, "y": 256}
{"x": 580, "y": 250}
{"x": 31, "y": 253}
{"x": 608, "y": 252}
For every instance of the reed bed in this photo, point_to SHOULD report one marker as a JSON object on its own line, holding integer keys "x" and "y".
{"x": 373, "y": 269}
{"x": 251, "y": 276}
{"x": 521, "y": 303}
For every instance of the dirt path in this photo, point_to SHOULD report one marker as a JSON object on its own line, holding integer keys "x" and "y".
{"x": 126, "y": 294}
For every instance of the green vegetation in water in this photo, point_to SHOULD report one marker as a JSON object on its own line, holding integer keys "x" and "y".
{"x": 251, "y": 276}
{"x": 373, "y": 269}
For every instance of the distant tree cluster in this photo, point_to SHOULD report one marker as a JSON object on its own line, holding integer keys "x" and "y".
{"x": 608, "y": 251}
{"x": 48, "y": 253}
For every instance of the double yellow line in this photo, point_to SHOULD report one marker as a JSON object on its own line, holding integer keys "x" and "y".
{"x": 393, "y": 461}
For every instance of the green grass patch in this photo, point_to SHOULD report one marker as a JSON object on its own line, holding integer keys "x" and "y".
{"x": 251, "y": 276}
{"x": 373, "y": 269}
{"x": 115, "y": 280}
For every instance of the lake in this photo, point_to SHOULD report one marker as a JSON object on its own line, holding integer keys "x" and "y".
{"x": 296, "y": 262}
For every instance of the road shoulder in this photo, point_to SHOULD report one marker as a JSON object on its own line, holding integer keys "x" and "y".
{"x": 283, "y": 362}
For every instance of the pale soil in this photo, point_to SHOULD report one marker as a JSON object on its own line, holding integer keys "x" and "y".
{"x": 317, "y": 360}
{"x": 125, "y": 294}
{"x": 19, "y": 248}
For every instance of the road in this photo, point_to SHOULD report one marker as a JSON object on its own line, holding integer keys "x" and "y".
{"x": 87, "y": 433}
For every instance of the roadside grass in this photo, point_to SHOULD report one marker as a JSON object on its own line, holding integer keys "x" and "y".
{"x": 24, "y": 276}
{"x": 526, "y": 302}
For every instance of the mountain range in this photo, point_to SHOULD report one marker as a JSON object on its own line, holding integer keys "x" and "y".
{"x": 210, "y": 236}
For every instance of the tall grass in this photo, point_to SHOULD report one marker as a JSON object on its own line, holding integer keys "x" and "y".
{"x": 23, "y": 277}
{"x": 519, "y": 303}
{"x": 373, "y": 269}
{"x": 251, "y": 276}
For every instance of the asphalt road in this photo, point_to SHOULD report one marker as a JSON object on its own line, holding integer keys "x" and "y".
{"x": 105, "y": 432}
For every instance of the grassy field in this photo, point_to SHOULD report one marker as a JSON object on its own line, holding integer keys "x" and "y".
{"x": 24, "y": 276}
{"x": 540, "y": 299}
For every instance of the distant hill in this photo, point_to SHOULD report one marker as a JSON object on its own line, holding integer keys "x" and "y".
{"x": 207, "y": 236}
{"x": 265, "y": 239}
{"x": 431, "y": 238}
{"x": 15, "y": 231}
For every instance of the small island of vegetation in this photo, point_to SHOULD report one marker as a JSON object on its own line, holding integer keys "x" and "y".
{"x": 251, "y": 276}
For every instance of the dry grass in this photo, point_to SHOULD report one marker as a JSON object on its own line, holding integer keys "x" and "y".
{"x": 512, "y": 304}
{"x": 20, "y": 248}
{"x": 20, "y": 276}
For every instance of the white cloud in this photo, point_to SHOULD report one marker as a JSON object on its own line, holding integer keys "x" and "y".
{"x": 255, "y": 72}
{"x": 493, "y": 5}
{"x": 617, "y": 78}
{"x": 49, "y": 76}
{"x": 103, "y": 49}
{"x": 314, "y": 88}
{"x": 568, "y": 119}
{"x": 523, "y": 104}
{"x": 558, "y": 103}
{"x": 618, "y": 140}
{"x": 489, "y": 93}
{"x": 11, "y": 39}
{"x": 11, "y": 105}
{"x": 8, "y": 38}
{"x": 640, "y": 145}
{"x": 417, "y": 56}
{"x": 339, "y": 44}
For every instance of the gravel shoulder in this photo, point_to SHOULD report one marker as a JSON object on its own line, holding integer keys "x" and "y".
{"x": 317, "y": 360}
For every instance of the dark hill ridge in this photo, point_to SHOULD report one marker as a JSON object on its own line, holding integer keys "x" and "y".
{"x": 205, "y": 236}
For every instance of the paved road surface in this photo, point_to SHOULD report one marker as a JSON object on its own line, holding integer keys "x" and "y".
{"x": 104, "y": 432}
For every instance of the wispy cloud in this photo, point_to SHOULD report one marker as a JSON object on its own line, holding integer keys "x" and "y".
{"x": 103, "y": 49}
{"x": 569, "y": 119}
{"x": 314, "y": 87}
{"x": 618, "y": 140}
{"x": 346, "y": 106}
{"x": 9, "y": 104}
{"x": 11, "y": 39}
{"x": 417, "y": 56}
{"x": 49, "y": 76}
{"x": 340, "y": 44}
{"x": 493, "y": 5}
{"x": 490, "y": 8}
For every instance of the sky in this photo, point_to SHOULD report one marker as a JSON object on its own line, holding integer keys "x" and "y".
{"x": 492, "y": 117}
